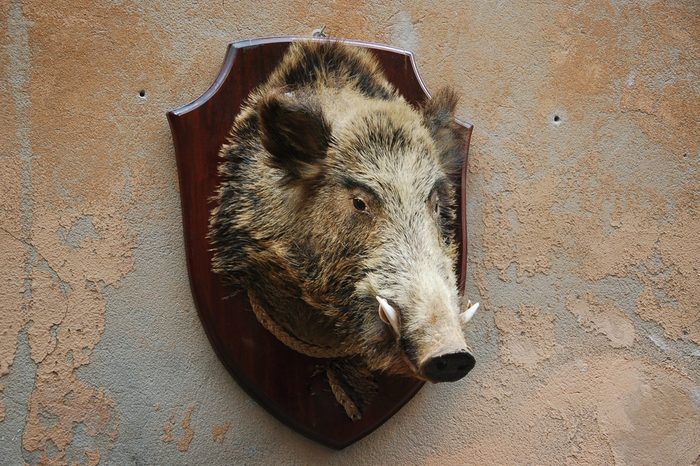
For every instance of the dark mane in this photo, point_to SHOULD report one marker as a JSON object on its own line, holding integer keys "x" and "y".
{"x": 333, "y": 65}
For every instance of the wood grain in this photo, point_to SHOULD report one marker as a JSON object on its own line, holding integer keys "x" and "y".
{"x": 281, "y": 380}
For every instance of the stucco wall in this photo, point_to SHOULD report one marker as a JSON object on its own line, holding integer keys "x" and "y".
{"x": 584, "y": 233}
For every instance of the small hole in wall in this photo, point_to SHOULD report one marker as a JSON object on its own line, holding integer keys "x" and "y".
{"x": 142, "y": 93}
{"x": 556, "y": 119}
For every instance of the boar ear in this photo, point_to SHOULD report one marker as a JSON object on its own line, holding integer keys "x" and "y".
{"x": 294, "y": 131}
{"x": 439, "y": 116}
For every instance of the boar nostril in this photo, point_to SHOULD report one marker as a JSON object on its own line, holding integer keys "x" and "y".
{"x": 448, "y": 367}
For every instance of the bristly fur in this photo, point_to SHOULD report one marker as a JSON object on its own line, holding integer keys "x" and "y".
{"x": 326, "y": 129}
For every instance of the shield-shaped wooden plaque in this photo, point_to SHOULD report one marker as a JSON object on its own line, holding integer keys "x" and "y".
{"x": 283, "y": 381}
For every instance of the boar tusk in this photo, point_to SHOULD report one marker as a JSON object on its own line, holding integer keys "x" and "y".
{"x": 388, "y": 314}
{"x": 467, "y": 315}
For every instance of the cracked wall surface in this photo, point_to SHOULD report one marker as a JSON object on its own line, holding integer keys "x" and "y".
{"x": 584, "y": 190}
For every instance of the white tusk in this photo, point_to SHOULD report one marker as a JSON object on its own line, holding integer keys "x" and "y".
{"x": 388, "y": 314}
{"x": 467, "y": 315}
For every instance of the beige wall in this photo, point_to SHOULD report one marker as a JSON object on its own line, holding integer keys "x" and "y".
{"x": 583, "y": 235}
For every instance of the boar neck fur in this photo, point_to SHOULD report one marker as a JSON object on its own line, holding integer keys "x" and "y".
{"x": 317, "y": 277}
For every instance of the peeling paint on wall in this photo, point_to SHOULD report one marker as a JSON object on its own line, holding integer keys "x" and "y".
{"x": 187, "y": 432}
{"x": 583, "y": 207}
{"x": 527, "y": 337}
{"x": 218, "y": 432}
{"x": 603, "y": 318}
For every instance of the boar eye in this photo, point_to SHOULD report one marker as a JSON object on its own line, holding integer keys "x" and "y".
{"x": 359, "y": 204}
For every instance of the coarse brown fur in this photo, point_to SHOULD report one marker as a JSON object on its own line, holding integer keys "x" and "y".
{"x": 334, "y": 190}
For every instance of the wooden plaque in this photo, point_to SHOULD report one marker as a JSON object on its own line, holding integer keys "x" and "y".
{"x": 284, "y": 382}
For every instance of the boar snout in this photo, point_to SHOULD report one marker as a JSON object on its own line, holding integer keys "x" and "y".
{"x": 447, "y": 366}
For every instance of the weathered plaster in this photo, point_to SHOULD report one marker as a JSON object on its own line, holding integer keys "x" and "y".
{"x": 603, "y": 317}
{"x": 584, "y": 225}
{"x": 527, "y": 336}
{"x": 218, "y": 432}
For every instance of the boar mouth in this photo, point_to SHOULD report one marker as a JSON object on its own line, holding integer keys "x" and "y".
{"x": 391, "y": 316}
{"x": 444, "y": 365}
